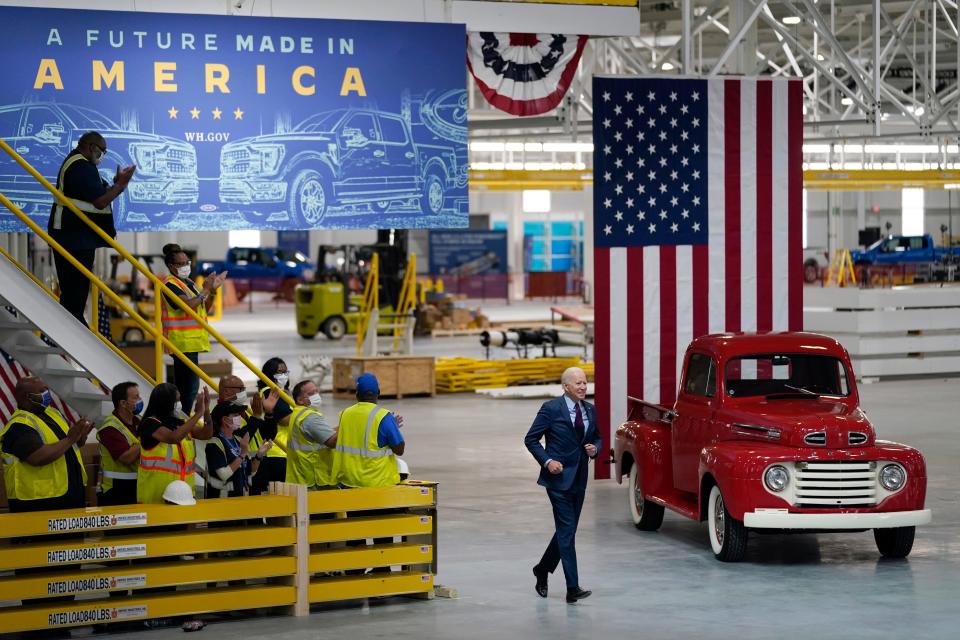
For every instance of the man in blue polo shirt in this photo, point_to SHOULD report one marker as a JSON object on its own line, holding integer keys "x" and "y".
{"x": 80, "y": 181}
{"x": 369, "y": 440}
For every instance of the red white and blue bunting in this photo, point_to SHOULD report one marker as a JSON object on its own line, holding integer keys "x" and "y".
{"x": 524, "y": 74}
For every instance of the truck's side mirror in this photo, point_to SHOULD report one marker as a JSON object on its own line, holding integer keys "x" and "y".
{"x": 352, "y": 138}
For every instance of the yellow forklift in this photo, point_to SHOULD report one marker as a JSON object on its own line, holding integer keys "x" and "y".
{"x": 332, "y": 304}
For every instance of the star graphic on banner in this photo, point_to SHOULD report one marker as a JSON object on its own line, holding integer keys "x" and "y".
{"x": 172, "y": 111}
{"x": 194, "y": 114}
{"x": 216, "y": 113}
{"x": 237, "y": 114}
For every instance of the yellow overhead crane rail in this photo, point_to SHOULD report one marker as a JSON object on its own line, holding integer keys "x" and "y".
{"x": 813, "y": 179}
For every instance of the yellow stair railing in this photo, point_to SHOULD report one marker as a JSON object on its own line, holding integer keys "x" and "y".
{"x": 371, "y": 301}
{"x": 154, "y": 329}
{"x": 407, "y": 299}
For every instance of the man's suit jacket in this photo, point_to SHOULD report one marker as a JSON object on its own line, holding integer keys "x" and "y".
{"x": 553, "y": 423}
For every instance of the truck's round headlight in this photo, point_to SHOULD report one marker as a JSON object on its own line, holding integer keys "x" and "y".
{"x": 893, "y": 477}
{"x": 776, "y": 478}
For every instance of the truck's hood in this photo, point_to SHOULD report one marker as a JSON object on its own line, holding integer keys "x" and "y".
{"x": 120, "y": 136}
{"x": 800, "y": 423}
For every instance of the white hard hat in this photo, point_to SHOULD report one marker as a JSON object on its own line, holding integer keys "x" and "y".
{"x": 179, "y": 492}
{"x": 402, "y": 467}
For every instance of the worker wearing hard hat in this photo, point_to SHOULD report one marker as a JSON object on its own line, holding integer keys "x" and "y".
{"x": 369, "y": 440}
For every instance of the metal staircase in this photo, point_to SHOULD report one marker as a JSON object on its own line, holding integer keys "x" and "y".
{"x": 75, "y": 373}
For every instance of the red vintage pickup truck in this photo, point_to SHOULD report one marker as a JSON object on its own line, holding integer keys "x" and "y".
{"x": 767, "y": 434}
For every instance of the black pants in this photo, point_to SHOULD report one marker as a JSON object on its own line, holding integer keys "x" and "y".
{"x": 74, "y": 286}
{"x": 187, "y": 382}
{"x": 272, "y": 469}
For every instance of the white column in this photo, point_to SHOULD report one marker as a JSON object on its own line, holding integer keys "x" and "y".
{"x": 515, "y": 242}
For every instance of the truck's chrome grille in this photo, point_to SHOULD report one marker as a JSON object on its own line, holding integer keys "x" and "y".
{"x": 816, "y": 438}
{"x": 856, "y": 437}
{"x": 836, "y": 484}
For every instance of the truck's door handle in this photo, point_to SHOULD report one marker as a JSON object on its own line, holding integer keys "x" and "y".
{"x": 409, "y": 154}
{"x": 378, "y": 154}
{"x": 23, "y": 149}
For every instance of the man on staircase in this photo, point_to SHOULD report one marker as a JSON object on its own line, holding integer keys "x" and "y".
{"x": 42, "y": 466}
{"x": 79, "y": 180}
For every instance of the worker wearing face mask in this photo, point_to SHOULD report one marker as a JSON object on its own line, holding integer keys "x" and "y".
{"x": 230, "y": 463}
{"x": 276, "y": 427}
{"x": 312, "y": 440}
{"x": 120, "y": 446}
{"x": 42, "y": 467}
{"x": 181, "y": 328}
{"x": 80, "y": 181}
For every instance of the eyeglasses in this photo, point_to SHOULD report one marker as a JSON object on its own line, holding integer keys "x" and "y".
{"x": 103, "y": 150}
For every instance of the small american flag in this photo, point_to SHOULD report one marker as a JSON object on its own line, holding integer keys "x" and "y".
{"x": 10, "y": 372}
{"x": 103, "y": 318}
{"x": 697, "y": 224}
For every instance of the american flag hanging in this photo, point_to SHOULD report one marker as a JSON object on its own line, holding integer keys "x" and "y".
{"x": 697, "y": 224}
{"x": 10, "y": 372}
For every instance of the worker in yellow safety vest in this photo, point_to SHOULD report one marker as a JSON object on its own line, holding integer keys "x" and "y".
{"x": 368, "y": 440}
{"x": 42, "y": 466}
{"x": 120, "y": 446}
{"x": 167, "y": 444}
{"x": 311, "y": 440}
{"x": 80, "y": 181}
{"x": 183, "y": 330}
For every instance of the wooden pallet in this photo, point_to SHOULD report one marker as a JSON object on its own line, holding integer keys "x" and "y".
{"x": 398, "y": 376}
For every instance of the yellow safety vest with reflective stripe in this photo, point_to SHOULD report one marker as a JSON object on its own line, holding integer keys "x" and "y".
{"x": 181, "y": 329}
{"x": 27, "y": 482}
{"x": 114, "y": 469}
{"x": 162, "y": 465}
{"x": 280, "y": 446}
{"x": 359, "y": 462}
{"x": 309, "y": 462}
{"x": 96, "y": 215}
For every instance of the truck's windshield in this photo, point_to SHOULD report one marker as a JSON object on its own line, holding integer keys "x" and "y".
{"x": 326, "y": 121}
{"x": 89, "y": 119}
{"x": 793, "y": 374}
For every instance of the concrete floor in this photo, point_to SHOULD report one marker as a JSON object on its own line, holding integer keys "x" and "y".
{"x": 495, "y": 521}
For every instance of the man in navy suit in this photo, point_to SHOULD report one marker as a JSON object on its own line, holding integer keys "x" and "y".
{"x": 568, "y": 424}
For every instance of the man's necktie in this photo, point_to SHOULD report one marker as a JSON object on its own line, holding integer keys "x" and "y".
{"x": 578, "y": 423}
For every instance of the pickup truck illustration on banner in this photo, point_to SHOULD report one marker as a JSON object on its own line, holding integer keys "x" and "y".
{"x": 43, "y": 133}
{"x": 242, "y": 122}
{"x": 352, "y": 157}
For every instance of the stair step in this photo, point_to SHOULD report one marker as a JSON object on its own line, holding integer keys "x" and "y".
{"x": 87, "y": 395}
{"x": 39, "y": 348}
{"x": 13, "y": 324}
{"x": 64, "y": 373}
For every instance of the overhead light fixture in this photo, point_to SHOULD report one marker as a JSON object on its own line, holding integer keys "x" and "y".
{"x": 846, "y": 101}
{"x": 666, "y": 66}
{"x": 791, "y": 20}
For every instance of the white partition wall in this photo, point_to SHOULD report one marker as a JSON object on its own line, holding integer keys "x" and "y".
{"x": 904, "y": 331}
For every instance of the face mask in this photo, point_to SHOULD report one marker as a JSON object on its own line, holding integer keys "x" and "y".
{"x": 184, "y": 271}
{"x": 177, "y": 407}
{"x": 45, "y": 398}
{"x": 281, "y": 380}
{"x": 235, "y": 421}
{"x": 137, "y": 408}
{"x": 315, "y": 400}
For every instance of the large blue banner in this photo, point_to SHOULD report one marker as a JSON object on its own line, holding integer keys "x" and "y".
{"x": 237, "y": 122}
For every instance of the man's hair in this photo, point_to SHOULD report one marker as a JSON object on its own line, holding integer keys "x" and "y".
{"x": 298, "y": 388}
{"x": 88, "y": 137}
{"x": 568, "y": 374}
{"x": 368, "y": 396}
{"x": 119, "y": 392}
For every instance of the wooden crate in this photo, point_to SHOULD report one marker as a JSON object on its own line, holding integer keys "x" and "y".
{"x": 398, "y": 376}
